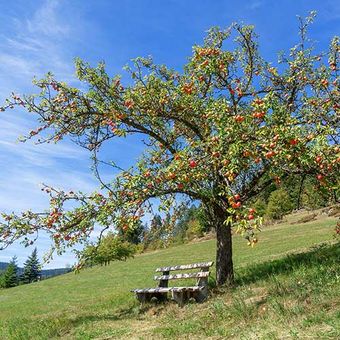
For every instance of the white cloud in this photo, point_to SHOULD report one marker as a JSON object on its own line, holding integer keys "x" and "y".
{"x": 35, "y": 46}
{"x": 31, "y": 48}
{"x": 46, "y": 21}
{"x": 23, "y": 166}
{"x": 21, "y": 66}
{"x": 253, "y": 5}
{"x": 329, "y": 12}
{"x": 14, "y": 125}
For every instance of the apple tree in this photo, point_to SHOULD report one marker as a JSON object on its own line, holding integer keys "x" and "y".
{"x": 218, "y": 132}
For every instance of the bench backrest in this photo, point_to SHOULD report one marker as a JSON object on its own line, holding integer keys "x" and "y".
{"x": 202, "y": 275}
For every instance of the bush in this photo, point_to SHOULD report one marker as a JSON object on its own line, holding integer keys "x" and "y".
{"x": 156, "y": 244}
{"x": 313, "y": 198}
{"x": 110, "y": 248}
{"x": 279, "y": 204}
{"x": 260, "y": 206}
{"x": 195, "y": 229}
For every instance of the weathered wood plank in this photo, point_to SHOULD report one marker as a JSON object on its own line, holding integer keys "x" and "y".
{"x": 152, "y": 290}
{"x": 190, "y": 289}
{"x": 186, "y": 266}
{"x": 165, "y": 290}
{"x": 182, "y": 276}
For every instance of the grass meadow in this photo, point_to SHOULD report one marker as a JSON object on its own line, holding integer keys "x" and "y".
{"x": 286, "y": 287}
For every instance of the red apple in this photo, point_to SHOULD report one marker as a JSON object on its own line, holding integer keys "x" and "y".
{"x": 236, "y": 205}
{"x": 237, "y": 197}
{"x": 192, "y": 164}
{"x": 187, "y": 88}
{"x": 129, "y": 103}
{"x": 172, "y": 175}
{"x": 239, "y": 119}
{"x": 318, "y": 159}
{"x": 270, "y": 154}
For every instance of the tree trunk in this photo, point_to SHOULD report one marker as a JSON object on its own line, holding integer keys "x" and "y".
{"x": 224, "y": 256}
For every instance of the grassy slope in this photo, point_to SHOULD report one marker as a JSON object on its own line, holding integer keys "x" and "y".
{"x": 300, "y": 297}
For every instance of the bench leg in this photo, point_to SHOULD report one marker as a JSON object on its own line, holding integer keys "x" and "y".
{"x": 201, "y": 295}
{"x": 181, "y": 297}
{"x": 143, "y": 297}
{"x": 146, "y": 297}
{"x": 160, "y": 296}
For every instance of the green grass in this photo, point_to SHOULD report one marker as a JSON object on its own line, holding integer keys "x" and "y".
{"x": 285, "y": 289}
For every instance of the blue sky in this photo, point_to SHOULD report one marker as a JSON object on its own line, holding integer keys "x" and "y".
{"x": 40, "y": 36}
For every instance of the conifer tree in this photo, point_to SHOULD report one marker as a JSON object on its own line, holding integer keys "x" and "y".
{"x": 1, "y": 279}
{"x": 31, "y": 268}
{"x": 10, "y": 278}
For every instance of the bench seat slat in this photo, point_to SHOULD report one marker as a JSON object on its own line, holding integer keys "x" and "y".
{"x": 182, "y": 276}
{"x": 185, "y": 266}
{"x": 152, "y": 290}
{"x": 191, "y": 289}
{"x": 165, "y": 290}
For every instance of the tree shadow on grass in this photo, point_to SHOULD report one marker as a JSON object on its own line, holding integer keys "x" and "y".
{"x": 120, "y": 314}
{"x": 321, "y": 254}
{"x": 133, "y": 311}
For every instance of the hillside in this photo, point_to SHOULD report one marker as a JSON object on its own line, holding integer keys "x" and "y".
{"x": 276, "y": 296}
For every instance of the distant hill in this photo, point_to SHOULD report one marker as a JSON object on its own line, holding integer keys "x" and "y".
{"x": 3, "y": 266}
{"x": 45, "y": 273}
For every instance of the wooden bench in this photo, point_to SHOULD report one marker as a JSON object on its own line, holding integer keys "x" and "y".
{"x": 180, "y": 294}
